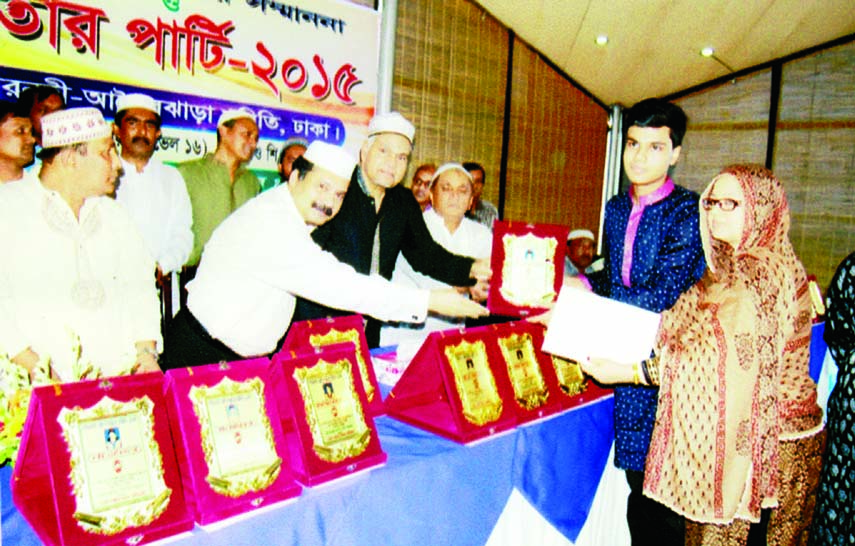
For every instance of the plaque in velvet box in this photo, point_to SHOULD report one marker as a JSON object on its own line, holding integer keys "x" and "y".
{"x": 528, "y": 267}
{"x": 97, "y": 466}
{"x": 455, "y": 387}
{"x": 308, "y": 335}
{"x": 567, "y": 386}
{"x": 228, "y": 439}
{"x": 322, "y": 403}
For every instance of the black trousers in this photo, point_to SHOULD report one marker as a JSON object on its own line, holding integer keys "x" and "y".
{"x": 187, "y": 343}
{"x": 651, "y": 523}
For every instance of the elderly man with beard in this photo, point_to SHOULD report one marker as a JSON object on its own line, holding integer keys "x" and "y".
{"x": 154, "y": 194}
{"x": 17, "y": 143}
{"x": 74, "y": 265}
{"x": 242, "y": 300}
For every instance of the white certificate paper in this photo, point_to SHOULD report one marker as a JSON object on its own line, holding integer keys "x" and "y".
{"x": 584, "y": 325}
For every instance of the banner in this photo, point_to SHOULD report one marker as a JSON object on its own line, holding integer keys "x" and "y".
{"x": 305, "y": 68}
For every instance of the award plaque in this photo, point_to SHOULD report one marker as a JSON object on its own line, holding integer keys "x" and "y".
{"x": 322, "y": 403}
{"x": 528, "y": 267}
{"x": 536, "y": 390}
{"x": 306, "y": 336}
{"x": 228, "y": 437}
{"x": 455, "y": 387}
{"x": 96, "y": 464}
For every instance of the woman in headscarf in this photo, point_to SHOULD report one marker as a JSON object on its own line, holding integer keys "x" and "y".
{"x": 834, "y": 519}
{"x": 737, "y": 428}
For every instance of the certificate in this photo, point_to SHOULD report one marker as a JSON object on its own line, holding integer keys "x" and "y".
{"x": 528, "y": 267}
{"x": 586, "y": 325}
{"x": 116, "y": 465}
{"x": 333, "y": 410}
{"x": 237, "y": 439}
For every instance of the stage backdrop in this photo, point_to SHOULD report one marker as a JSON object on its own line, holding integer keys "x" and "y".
{"x": 304, "y": 68}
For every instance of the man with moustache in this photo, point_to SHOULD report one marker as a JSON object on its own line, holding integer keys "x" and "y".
{"x": 242, "y": 300}
{"x": 380, "y": 219}
{"x": 154, "y": 194}
{"x": 219, "y": 183}
{"x": 420, "y": 185}
{"x": 291, "y": 150}
{"x": 74, "y": 265}
{"x": 17, "y": 143}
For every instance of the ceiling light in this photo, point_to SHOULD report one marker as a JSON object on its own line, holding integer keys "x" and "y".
{"x": 602, "y": 40}
{"x": 708, "y": 52}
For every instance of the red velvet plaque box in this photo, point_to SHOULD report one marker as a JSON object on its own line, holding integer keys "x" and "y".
{"x": 528, "y": 267}
{"x": 228, "y": 438}
{"x": 96, "y": 464}
{"x": 455, "y": 387}
{"x": 322, "y": 403}
{"x": 307, "y": 335}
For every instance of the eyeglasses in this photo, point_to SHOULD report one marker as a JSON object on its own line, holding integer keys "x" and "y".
{"x": 726, "y": 205}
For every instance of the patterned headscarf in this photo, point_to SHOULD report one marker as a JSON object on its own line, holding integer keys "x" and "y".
{"x": 723, "y": 348}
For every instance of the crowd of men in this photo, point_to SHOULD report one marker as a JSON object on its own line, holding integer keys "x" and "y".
{"x": 94, "y": 225}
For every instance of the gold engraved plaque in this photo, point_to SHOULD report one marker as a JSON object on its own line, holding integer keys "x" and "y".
{"x": 337, "y": 336}
{"x": 116, "y": 465}
{"x": 333, "y": 410}
{"x": 474, "y": 382}
{"x": 570, "y": 376}
{"x": 528, "y": 271}
{"x": 237, "y": 439}
{"x": 530, "y": 391}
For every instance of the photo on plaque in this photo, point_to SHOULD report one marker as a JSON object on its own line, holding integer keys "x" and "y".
{"x": 333, "y": 411}
{"x": 474, "y": 382}
{"x": 116, "y": 466}
{"x": 528, "y": 267}
{"x": 237, "y": 439}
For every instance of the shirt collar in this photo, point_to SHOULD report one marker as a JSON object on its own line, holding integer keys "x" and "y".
{"x": 361, "y": 180}
{"x": 658, "y": 195}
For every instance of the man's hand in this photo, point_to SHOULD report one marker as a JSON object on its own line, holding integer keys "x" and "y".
{"x": 146, "y": 357}
{"x": 481, "y": 269}
{"x": 480, "y": 290}
{"x": 449, "y": 303}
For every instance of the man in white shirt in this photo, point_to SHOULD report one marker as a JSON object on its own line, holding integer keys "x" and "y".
{"x": 74, "y": 267}
{"x": 262, "y": 257}
{"x": 17, "y": 143}
{"x": 451, "y": 192}
{"x": 154, "y": 194}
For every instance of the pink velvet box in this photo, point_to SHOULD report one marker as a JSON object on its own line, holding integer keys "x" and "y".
{"x": 525, "y": 256}
{"x": 428, "y": 395}
{"x": 123, "y": 486}
{"x": 230, "y": 406}
{"x": 327, "y": 438}
{"x": 306, "y": 336}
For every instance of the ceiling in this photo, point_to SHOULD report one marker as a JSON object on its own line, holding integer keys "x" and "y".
{"x": 654, "y": 45}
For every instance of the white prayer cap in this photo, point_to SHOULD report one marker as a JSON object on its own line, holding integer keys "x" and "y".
{"x": 392, "y": 122}
{"x": 137, "y": 100}
{"x": 73, "y": 126}
{"x": 330, "y": 157}
{"x": 237, "y": 113}
{"x": 445, "y": 167}
{"x": 580, "y": 234}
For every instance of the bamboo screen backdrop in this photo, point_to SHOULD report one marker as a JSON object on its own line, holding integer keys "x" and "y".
{"x": 451, "y": 62}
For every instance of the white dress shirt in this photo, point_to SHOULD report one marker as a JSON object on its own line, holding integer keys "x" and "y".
{"x": 60, "y": 278}
{"x": 159, "y": 205}
{"x": 260, "y": 258}
{"x": 469, "y": 239}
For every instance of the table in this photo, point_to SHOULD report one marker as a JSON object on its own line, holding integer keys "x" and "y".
{"x": 431, "y": 490}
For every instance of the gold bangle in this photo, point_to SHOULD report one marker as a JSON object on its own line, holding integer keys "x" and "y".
{"x": 635, "y": 378}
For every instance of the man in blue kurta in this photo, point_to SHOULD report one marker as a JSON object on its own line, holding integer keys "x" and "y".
{"x": 652, "y": 254}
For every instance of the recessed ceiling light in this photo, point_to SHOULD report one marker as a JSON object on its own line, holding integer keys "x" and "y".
{"x": 602, "y": 40}
{"x": 708, "y": 52}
